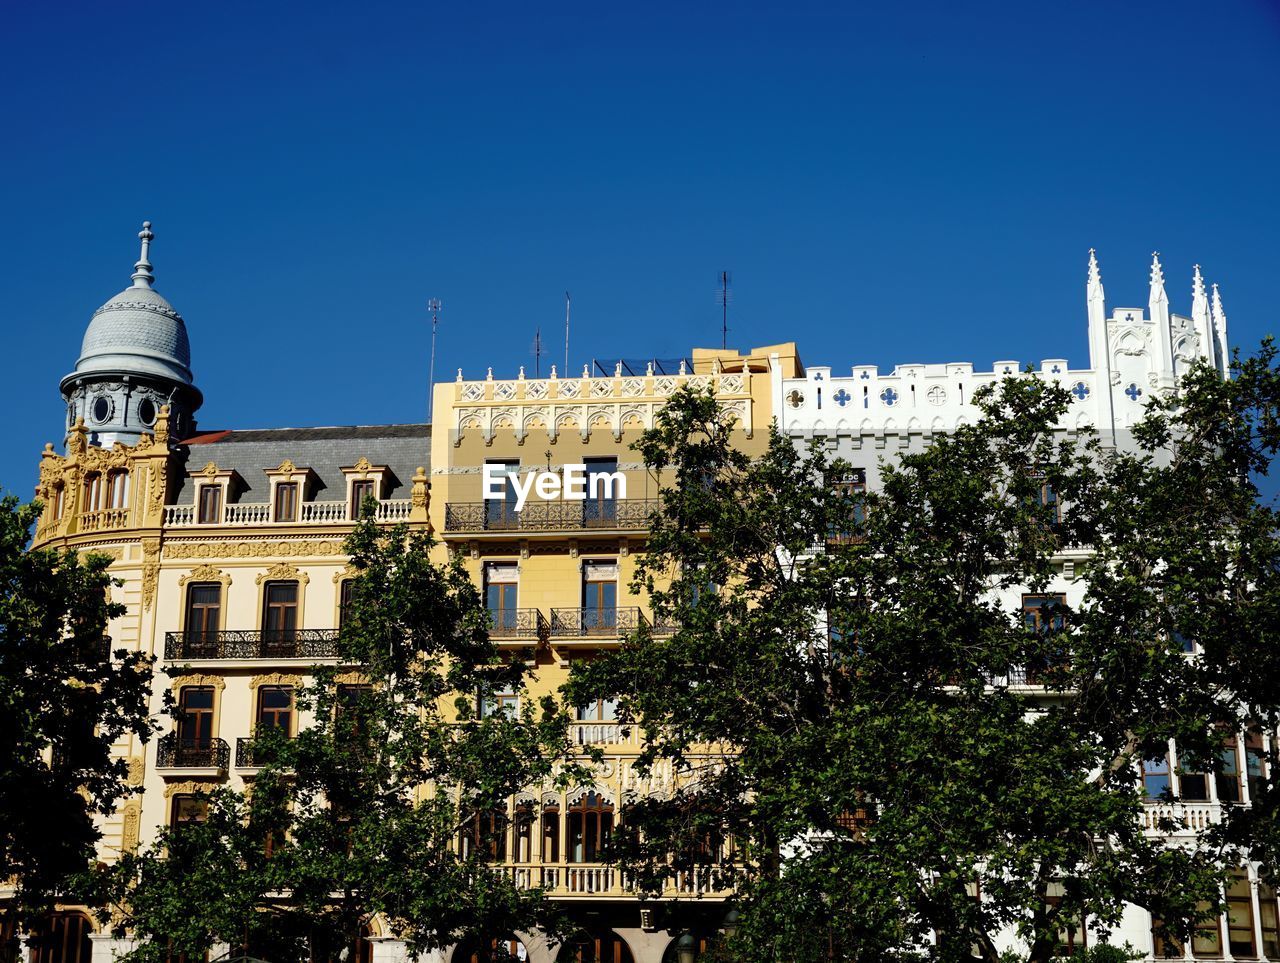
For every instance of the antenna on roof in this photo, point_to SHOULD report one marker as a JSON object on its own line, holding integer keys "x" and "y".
{"x": 724, "y": 297}
{"x": 434, "y": 307}
{"x": 537, "y": 352}
{"x": 566, "y": 332}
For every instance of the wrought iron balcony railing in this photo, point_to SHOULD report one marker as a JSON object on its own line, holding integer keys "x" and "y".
{"x": 519, "y": 624}
{"x": 627, "y": 514}
{"x": 253, "y": 754}
{"x": 252, "y": 644}
{"x": 596, "y": 623}
{"x": 175, "y": 753}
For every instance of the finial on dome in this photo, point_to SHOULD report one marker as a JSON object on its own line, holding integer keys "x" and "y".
{"x": 1094, "y": 291}
{"x": 142, "y": 276}
{"x": 1157, "y": 280}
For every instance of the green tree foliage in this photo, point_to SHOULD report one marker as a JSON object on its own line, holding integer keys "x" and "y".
{"x": 872, "y": 731}
{"x": 360, "y": 813}
{"x": 64, "y": 699}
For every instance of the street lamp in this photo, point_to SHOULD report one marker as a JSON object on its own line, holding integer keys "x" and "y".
{"x": 730, "y": 924}
{"x": 686, "y": 948}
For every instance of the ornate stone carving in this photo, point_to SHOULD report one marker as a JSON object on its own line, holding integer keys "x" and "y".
{"x": 282, "y": 572}
{"x": 199, "y": 678}
{"x": 286, "y": 468}
{"x": 351, "y": 678}
{"x": 205, "y": 573}
{"x": 210, "y": 469}
{"x": 137, "y": 766}
{"x": 275, "y": 678}
{"x": 188, "y": 786}
{"x": 363, "y": 466}
{"x": 150, "y": 571}
{"x": 131, "y": 827}
{"x": 255, "y": 549}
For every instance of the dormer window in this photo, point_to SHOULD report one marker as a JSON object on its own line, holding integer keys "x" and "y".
{"x": 286, "y": 502}
{"x": 360, "y": 490}
{"x": 210, "y": 504}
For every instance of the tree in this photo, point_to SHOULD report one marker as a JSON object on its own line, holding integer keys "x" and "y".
{"x": 65, "y": 698}
{"x": 896, "y": 737}
{"x": 361, "y": 813}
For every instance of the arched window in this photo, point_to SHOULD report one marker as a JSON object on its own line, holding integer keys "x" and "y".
{"x": 117, "y": 488}
{"x": 92, "y": 492}
{"x": 524, "y": 830}
{"x": 551, "y": 832}
{"x": 62, "y": 938}
{"x": 606, "y": 947}
{"x": 59, "y": 501}
{"x": 590, "y": 825}
{"x": 484, "y": 834}
{"x": 485, "y": 951}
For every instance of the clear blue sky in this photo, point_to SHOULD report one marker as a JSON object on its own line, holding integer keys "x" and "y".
{"x": 888, "y": 183}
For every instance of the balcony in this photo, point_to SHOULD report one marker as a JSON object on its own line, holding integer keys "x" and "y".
{"x": 625, "y": 515}
{"x": 250, "y": 754}
{"x": 243, "y": 514}
{"x": 595, "y": 879}
{"x": 1190, "y": 818}
{"x": 519, "y": 624}
{"x": 171, "y": 753}
{"x": 589, "y": 623}
{"x": 252, "y": 644}
{"x": 104, "y": 520}
{"x": 587, "y": 733}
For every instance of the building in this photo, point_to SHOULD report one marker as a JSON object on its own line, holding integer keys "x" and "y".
{"x": 229, "y": 546}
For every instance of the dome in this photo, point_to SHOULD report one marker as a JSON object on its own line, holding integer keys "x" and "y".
{"x": 136, "y": 333}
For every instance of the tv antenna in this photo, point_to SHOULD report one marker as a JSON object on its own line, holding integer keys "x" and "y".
{"x": 724, "y": 297}
{"x": 566, "y": 335}
{"x": 537, "y": 352}
{"x": 434, "y": 307}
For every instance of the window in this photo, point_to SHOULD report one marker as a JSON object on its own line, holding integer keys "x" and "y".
{"x": 209, "y": 500}
{"x": 551, "y": 832}
{"x": 1268, "y": 911}
{"x": 500, "y": 704}
{"x": 1164, "y": 943}
{"x": 487, "y": 951}
{"x": 599, "y": 597}
{"x": 1072, "y": 934}
{"x": 606, "y": 947}
{"x": 1047, "y": 498}
{"x": 117, "y": 489}
{"x": 360, "y": 490}
{"x": 484, "y": 834}
{"x": 61, "y": 938}
{"x": 600, "y": 510}
{"x": 59, "y": 502}
{"x": 195, "y": 717}
{"x": 1044, "y": 616}
{"x": 1155, "y": 778}
{"x": 350, "y": 712}
{"x": 602, "y": 710}
{"x": 92, "y": 491}
{"x": 590, "y": 825}
{"x": 345, "y": 589}
{"x": 280, "y": 612}
{"x": 1240, "y": 915}
{"x": 1228, "y": 777}
{"x": 188, "y": 808}
{"x": 204, "y": 608}
{"x": 524, "y": 828}
{"x": 500, "y": 513}
{"x": 1206, "y": 939}
{"x": 849, "y": 524}
{"x": 501, "y": 585}
{"x": 275, "y": 708}
{"x": 1255, "y": 765}
{"x": 286, "y": 508}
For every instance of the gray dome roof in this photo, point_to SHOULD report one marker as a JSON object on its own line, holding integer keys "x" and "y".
{"x": 136, "y": 333}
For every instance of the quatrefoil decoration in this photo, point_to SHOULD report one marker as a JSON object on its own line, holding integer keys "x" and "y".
{"x": 842, "y": 397}
{"x": 889, "y": 396}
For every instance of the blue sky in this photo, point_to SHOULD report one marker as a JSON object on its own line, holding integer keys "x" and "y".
{"x": 888, "y": 183}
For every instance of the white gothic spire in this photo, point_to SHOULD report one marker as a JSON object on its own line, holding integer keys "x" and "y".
{"x": 1095, "y": 292}
{"x": 1157, "y": 280}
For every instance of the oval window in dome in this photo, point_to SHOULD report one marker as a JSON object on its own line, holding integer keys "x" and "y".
{"x": 101, "y": 409}
{"x": 147, "y": 411}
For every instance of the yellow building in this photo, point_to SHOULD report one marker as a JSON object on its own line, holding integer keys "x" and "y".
{"x": 229, "y": 546}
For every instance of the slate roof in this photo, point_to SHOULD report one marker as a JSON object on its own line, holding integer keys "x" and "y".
{"x": 326, "y": 451}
